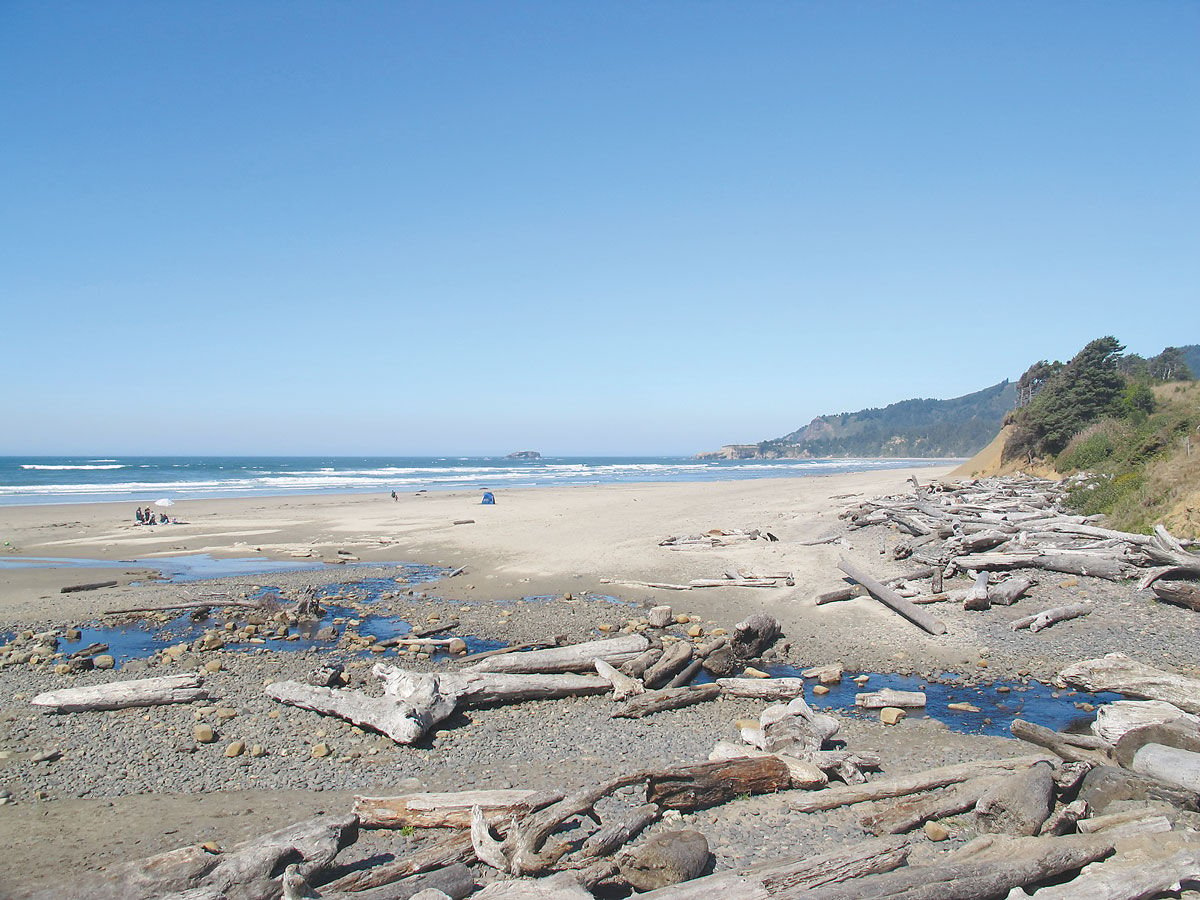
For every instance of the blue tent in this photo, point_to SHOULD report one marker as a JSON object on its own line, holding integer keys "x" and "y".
{"x": 488, "y": 499}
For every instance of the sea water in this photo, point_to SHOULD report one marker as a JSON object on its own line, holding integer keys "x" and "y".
{"x": 144, "y": 479}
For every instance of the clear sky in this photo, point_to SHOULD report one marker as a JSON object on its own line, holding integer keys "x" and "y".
{"x": 581, "y": 227}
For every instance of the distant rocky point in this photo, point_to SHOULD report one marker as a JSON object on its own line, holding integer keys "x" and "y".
{"x": 524, "y": 454}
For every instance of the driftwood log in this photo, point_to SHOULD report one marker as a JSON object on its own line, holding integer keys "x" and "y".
{"x": 913, "y": 811}
{"x": 671, "y": 698}
{"x": 1046, "y": 618}
{"x": 404, "y": 721}
{"x": 1071, "y": 747}
{"x": 891, "y": 599}
{"x": 762, "y": 688}
{"x": 572, "y": 658}
{"x": 1181, "y": 593}
{"x": 1117, "y": 672}
{"x": 706, "y": 784}
{"x": 428, "y": 857}
{"x": 1017, "y": 804}
{"x": 446, "y": 810}
{"x": 124, "y": 694}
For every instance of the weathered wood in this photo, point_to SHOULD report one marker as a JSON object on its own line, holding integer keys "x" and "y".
{"x": 1008, "y": 591}
{"x": 429, "y": 856}
{"x": 901, "y": 785}
{"x": 687, "y": 673}
{"x": 456, "y": 882}
{"x": 913, "y": 811}
{"x": 977, "y": 596}
{"x": 789, "y": 878}
{"x": 1181, "y": 593}
{"x": 622, "y": 685}
{"x": 124, "y": 694}
{"x": 753, "y": 635}
{"x": 562, "y": 886}
{"x": 889, "y": 697}
{"x": 1071, "y": 562}
{"x": 1145, "y": 867}
{"x": 793, "y": 727}
{"x": 484, "y": 688}
{"x": 190, "y": 604}
{"x": 1046, "y": 618}
{"x": 805, "y": 773}
{"x": 891, "y": 599}
{"x": 248, "y": 871}
{"x": 513, "y": 648}
{"x": 1169, "y": 764}
{"x": 404, "y": 721}
{"x": 90, "y": 586}
{"x": 616, "y": 834}
{"x": 983, "y": 540}
{"x": 762, "y": 688}
{"x": 670, "y": 698}
{"x": 1074, "y": 748}
{"x": 572, "y": 658}
{"x": 702, "y": 785}
{"x": 637, "y": 666}
{"x": 674, "y": 658}
{"x": 1179, "y": 733}
{"x": 1017, "y": 804}
{"x": 1117, "y": 672}
{"x": 439, "y": 810}
{"x": 964, "y": 875}
{"x": 1113, "y": 720}
{"x": 1063, "y": 820}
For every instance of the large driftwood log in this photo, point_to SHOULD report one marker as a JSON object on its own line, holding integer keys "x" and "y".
{"x": 805, "y": 773}
{"x": 1017, "y": 804}
{"x": 1145, "y": 867}
{"x": 671, "y": 698}
{"x": 762, "y": 688}
{"x": 1169, "y": 764}
{"x": 888, "y": 697}
{"x": 1114, "y": 720}
{"x": 562, "y": 886}
{"x": 1117, "y": 672}
{"x": 1045, "y": 619}
{"x": 572, "y": 658}
{"x": 455, "y": 882}
{"x": 788, "y": 878}
{"x": 1010, "y": 590}
{"x": 1071, "y": 747}
{"x": 1181, "y": 593}
{"x": 442, "y": 810}
{"x": 674, "y": 658}
{"x": 1179, "y": 733}
{"x": 404, "y": 721}
{"x": 910, "y": 812}
{"x": 702, "y": 785}
{"x": 753, "y": 635}
{"x": 1071, "y": 562}
{"x": 623, "y": 686}
{"x": 124, "y": 694}
{"x": 966, "y": 874}
{"x": 901, "y": 785}
{"x": 249, "y": 871}
{"x": 429, "y": 856}
{"x": 616, "y": 834}
{"x": 891, "y": 599}
{"x": 485, "y": 688}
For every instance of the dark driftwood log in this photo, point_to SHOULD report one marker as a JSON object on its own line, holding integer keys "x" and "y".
{"x": 618, "y": 833}
{"x": 124, "y": 694}
{"x": 708, "y": 784}
{"x": 902, "y": 785}
{"x": 670, "y": 698}
{"x": 1017, "y": 804}
{"x": 910, "y": 812}
{"x": 891, "y": 599}
{"x": 432, "y": 855}
{"x": 90, "y": 586}
{"x": 637, "y": 666}
{"x": 962, "y": 875}
{"x": 1181, "y": 593}
{"x": 754, "y": 635}
{"x": 249, "y": 871}
{"x": 786, "y": 878}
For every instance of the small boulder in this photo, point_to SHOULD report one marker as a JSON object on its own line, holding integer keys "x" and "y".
{"x": 666, "y": 859}
{"x": 204, "y": 734}
{"x": 104, "y": 661}
{"x": 890, "y": 715}
{"x": 237, "y": 748}
{"x": 661, "y": 616}
{"x": 936, "y": 831}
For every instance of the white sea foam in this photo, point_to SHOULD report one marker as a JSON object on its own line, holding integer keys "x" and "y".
{"x": 35, "y": 466}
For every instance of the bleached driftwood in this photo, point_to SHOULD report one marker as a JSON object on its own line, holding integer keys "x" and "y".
{"x": 902, "y": 785}
{"x": 1146, "y": 867}
{"x": 670, "y": 698}
{"x": 572, "y": 658}
{"x": 794, "y": 728}
{"x": 915, "y": 810}
{"x": 1114, "y": 720}
{"x": 622, "y": 685}
{"x": 1181, "y": 593}
{"x": 1045, "y": 619}
{"x": 484, "y": 688}
{"x": 891, "y": 599}
{"x": 1071, "y": 747}
{"x": 1008, "y": 591}
{"x": 1071, "y": 562}
{"x": 1169, "y": 764}
{"x": 124, "y": 694}
{"x": 889, "y": 697}
{"x": 1117, "y": 672}
{"x": 248, "y": 871}
{"x": 674, "y": 659}
{"x": 445, "y": 809}
{"x": 404, "y": 721}
{"x": 762, "y": 688}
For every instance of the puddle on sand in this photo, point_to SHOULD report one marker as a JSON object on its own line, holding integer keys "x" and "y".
{"x": 1033, "y": 701}
{"x": 203, "y": 566}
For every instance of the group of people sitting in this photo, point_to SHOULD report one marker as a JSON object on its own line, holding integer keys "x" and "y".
{"x": 146, "y": 517}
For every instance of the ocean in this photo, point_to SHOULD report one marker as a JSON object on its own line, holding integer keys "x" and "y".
{"x": 68, "y": 479}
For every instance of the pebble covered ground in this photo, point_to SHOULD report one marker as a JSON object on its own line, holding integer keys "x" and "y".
{"x": 242, "y": 741}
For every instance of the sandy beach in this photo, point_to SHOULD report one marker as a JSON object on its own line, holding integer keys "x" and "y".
{"x": 133, "y": 782}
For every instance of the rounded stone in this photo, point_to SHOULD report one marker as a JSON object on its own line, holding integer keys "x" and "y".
{"x": 237, "y": 748}
{"x": 104, "y": 661}
{"x": 204, "y": 734}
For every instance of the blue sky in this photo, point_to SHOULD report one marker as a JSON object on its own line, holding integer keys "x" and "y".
{"x": 584, "y": 227}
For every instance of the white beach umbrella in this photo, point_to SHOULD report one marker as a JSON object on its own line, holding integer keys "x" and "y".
{"x": 165, "y": 501}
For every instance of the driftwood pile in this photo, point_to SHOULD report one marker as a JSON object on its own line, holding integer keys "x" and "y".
{"x": 989, "y": 529}
{"x": 717, "y": 537}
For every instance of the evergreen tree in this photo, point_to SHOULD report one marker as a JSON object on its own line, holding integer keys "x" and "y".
{"x": 1170, "y": 365}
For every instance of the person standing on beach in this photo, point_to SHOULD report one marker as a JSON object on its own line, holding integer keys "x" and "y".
{"x": 141, "y": 516}
{"x": 394, "y": 497}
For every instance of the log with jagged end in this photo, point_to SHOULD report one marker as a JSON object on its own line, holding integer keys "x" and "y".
{"x": 1117, "y": 672}
{"x": 1017, "y": 804}
{"x": 404, "y": 721}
